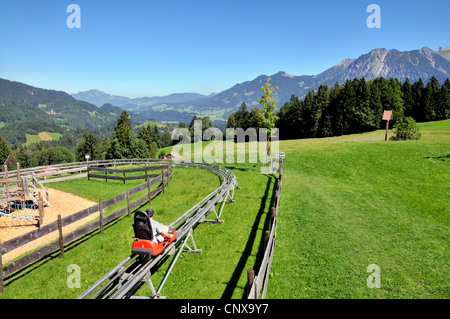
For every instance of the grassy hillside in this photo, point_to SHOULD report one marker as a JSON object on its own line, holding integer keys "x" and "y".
{"x": 229, "y": 249}
{"x": 349, "y": 204}
{"x": 153, "y": 123}
{"x": 42, "y": 136}
{"x": 30, "y": 110}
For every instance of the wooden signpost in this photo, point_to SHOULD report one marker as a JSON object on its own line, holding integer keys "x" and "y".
{"x": 387, "y": 116}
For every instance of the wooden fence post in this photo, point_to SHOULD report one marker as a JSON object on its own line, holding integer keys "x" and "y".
{"x": 250, "y": 279}
{"x": 169, "y": 172}
{"x": 149, "y": 194}
{"x": 124, "y": 177}
{"x": 61, "y": 240}
{"x": 1, "y": 269}
{"x": 168, "y": 177}
{"x": 272, "y": 215}
{"x": 128, "y": 203}
{"x": 100, "y": 208}
{"x": 162, "y": 179}
{"x": 41, "y": 211}
{"x": 266, "y": 238}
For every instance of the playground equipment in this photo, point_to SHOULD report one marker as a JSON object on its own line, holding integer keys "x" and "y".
{"x": 20, "y": 198}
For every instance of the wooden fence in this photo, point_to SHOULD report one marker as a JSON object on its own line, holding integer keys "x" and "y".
{"x": 66, "y": 171}
{"x": 61, "y": 222}
{"x": 257, "y": 284}
{"x": 124, "y": 172}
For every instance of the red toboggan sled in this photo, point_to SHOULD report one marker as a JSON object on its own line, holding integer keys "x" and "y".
{"x": 145, "y": 243}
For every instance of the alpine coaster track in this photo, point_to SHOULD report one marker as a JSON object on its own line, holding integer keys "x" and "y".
{"x": 129, "y": 275}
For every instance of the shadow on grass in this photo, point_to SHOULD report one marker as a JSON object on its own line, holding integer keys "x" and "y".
{"x": 232, "y": 284}
{"x": 443, "y": 158}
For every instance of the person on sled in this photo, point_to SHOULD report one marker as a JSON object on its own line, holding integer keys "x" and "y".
{"x": 159, "y": 230}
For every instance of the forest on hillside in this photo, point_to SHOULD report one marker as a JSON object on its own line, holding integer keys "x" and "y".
{"x": 116, "y": 140}
{"x": 355, "y": 106}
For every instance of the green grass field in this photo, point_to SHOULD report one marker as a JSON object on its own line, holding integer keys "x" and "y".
{"x": 153, "y": 123}
{"x": 347, "y": 202}
{"x": 43, "y": 136}
{"x": 229, "y": 249}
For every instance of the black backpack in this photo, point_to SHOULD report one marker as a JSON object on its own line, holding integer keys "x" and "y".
{"x": 142, "y": 226}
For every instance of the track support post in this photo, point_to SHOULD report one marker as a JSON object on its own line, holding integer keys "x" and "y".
{"x": 147, "y": 278}
{"x": 189, "y": 249}
{"x": 228, "y": 198}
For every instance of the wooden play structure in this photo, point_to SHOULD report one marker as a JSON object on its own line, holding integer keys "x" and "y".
{"x": 20, "y": 198}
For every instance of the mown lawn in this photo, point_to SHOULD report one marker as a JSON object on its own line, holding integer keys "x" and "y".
{"x": 229, "y": 249}
{"x": 47, "y": 136}
{"x": 349, "y": 204}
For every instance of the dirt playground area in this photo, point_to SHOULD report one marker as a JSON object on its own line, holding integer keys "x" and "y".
{"x": 61, "y": 203}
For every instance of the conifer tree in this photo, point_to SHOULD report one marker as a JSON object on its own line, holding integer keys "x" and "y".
{"x": 125, "y": 144}
{"x": 417, "y": 112}
{"x": 157, "y": 137}
{"x": 146, "y": 134}
{"x": 4, "y": 150}
{"x": 124, "y": 130}
{"x": 444, "y": 112}
{"x": 231, "y": 123}
{"x": 392, "y": 98}
{"x": 241, "y": 117}
{"x": 90, "y": 145}
{"x": 408, "y": 98}
{"x": 430, "y": 100}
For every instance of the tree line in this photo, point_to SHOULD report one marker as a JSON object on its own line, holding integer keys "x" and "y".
{"x": 355, "y": 106}
{"x": 125, "y": 142}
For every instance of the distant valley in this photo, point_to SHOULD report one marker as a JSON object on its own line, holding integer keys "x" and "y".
{"x": 414, "y": 64}
{"x": 26, "y": 111}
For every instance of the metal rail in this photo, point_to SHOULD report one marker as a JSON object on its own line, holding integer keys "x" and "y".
{"x": 127, "y": 277}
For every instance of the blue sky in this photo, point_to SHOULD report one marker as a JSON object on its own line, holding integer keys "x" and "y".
{"x": 147, "y": 48}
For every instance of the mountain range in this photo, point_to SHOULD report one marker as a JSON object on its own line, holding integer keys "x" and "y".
{"x": 415, "y": 64}
{"x": 28, "y": 109}
{"x": 25, "y": 109}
